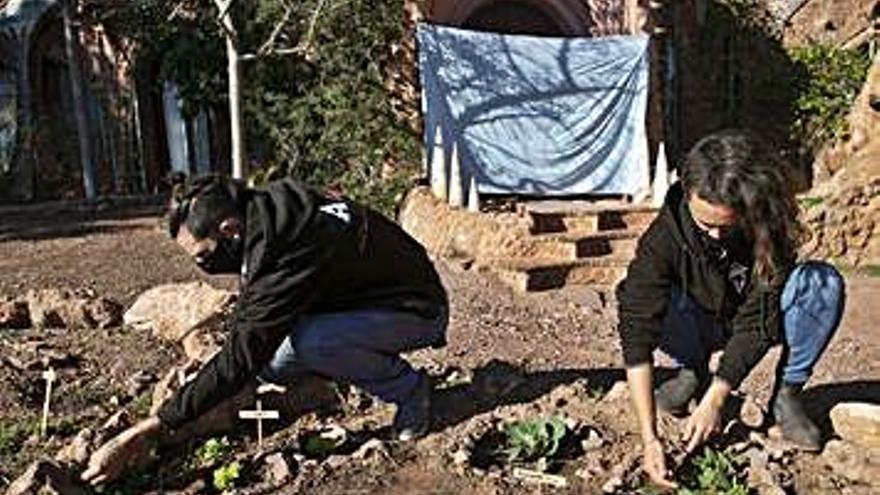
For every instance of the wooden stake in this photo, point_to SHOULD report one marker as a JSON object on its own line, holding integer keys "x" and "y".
{"x": 259, "y": 414}
{"x": 50, "y": 376}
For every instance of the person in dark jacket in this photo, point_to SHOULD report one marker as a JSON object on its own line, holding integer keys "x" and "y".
{"x": 329, "y": 287}
{"x": 717, "y": 270}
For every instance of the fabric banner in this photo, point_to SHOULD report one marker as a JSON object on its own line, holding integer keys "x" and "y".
{"x": 536, "y": 115}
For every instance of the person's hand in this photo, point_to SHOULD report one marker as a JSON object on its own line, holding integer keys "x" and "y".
{"x": 654, "y": 464}
{"x": 131, "y": 449}
{"x": 702, "y": 423}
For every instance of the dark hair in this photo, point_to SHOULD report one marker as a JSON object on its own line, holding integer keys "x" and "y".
{"x": 734, "y": 168}
{"x": 202, "y": 202}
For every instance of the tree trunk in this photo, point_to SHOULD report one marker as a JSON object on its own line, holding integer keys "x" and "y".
{"x": 234, "y": 74}
{"x": 71, "y": 45}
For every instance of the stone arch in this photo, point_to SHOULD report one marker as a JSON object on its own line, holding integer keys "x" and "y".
{"x": 568, "y": 17}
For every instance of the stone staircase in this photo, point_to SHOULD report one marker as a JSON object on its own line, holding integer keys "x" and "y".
{"x": 574, "y": 242}
{"x": 540, "y": 245}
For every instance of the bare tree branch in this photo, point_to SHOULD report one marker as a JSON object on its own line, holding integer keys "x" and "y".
{"x": 270, "y": 42}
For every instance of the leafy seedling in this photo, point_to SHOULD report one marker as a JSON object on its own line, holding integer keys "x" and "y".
{"x": 714, "y": 472}
{"x": 213, "y": 451}
{"x": 226, "y": 476}
{"x": 532, "y": 440}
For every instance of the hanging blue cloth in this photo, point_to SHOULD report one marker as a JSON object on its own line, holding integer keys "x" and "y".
{"x": 537, "y": 115}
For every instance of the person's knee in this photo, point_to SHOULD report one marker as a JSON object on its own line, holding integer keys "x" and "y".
{"x": 817, "y": 288}
{"x": 313, "y": 348}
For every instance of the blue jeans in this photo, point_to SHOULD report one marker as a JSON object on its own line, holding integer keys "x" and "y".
{"x": 811, "y": 304}
{"x": 361, "y": 347}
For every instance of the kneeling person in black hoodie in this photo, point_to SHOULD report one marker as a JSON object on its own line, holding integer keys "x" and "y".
{"x": 717, "y": 270}
{"x": 328, "y": 287}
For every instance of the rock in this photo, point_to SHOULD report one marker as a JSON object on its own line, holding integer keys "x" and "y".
{"x": 593, "y": 441}
{"x": 612, "y": 485}
{"x": 173, "y": 310}
{"x": 335, "y": 461}
{"x": 14, "y": 314}
{"x": 371, "y": 449}
{"x": 46, "y": 477}
{"x": 78, "y": 451}
{"x": 58, "y": 308}
{"x": 138, "y": 382}
{"x": 751, "y": 413}
{"x": 619, "y": 392}
{"x": 202, "y": 343}
{"x": 858, "y": 464}
{"x": 857, "y": 422}
{"x": 461, "y": 457}
{"x": 277, "y": 468}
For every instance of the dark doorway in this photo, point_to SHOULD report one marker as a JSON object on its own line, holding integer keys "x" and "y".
{"x": 512, "y": 17}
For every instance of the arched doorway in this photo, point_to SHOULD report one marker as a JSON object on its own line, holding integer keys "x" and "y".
{"x": 535, "y": 17}
{"x": 54, "y": 129}
{"x": 513, "y": 17}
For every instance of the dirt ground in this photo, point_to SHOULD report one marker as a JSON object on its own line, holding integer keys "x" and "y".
{"x": 522, "y": 355}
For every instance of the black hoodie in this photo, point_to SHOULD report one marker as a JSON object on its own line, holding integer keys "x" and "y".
{"x": 306, "y": 253}
{"x": 672, "y": 254}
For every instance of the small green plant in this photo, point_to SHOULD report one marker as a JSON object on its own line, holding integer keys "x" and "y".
{"x": 713, "y": 473}
{"x": 532, "y": 440}
{"x": 213, "y": 451}
{"x": 226, "y": 476}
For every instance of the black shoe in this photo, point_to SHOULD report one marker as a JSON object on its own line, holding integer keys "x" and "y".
{"x": 797, "y": 427}
{"x": 674, "y": 395}
{"x": 413, "y": 417}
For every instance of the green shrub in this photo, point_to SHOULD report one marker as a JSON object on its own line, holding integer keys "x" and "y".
{"x": 831, "y": 78}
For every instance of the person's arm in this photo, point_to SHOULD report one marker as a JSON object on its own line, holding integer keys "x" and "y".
{"x": 643, "y": 301}
{"x": 755, "y": 328}
{"x": 640, "y": 378}
{"x": 133, "y": 448}
{"x": 706, "y": 418}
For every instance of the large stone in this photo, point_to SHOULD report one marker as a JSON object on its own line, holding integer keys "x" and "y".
{"x": 857, "y": 422}
{"x": 277, "y": 468}
{"x": 46, "y": 477}
{"x": 202, "y": 343}
{"x": 14, "y": 314}
{"x": 173, "y": 310}
{"x": 58, "y": 308}
{"x": 858, "y": 464}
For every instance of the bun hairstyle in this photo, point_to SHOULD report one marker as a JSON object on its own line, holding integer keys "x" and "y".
{"x": 201, "y": 202}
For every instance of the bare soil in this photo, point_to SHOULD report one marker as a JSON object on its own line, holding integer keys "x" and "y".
{"x": 521, "y": 355}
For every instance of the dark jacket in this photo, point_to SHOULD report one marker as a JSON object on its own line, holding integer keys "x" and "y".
{"x": 306, "y": 253}
{"x": 672, "y": 254}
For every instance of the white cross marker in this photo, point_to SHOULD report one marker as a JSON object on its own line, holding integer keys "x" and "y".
{"x": 259, "y": 414}
{"x": 50, "y": 376}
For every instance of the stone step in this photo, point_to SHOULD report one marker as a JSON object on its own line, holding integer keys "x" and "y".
{"x": 534, "y": 274}
{"x": 586, "y": 216}
{"x": 565, "y": 246}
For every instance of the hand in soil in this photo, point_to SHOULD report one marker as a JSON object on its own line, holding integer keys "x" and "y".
{"x": 133, "y": 448}
{"x": 702, "y": 423}
{"x": 654, "y": 464}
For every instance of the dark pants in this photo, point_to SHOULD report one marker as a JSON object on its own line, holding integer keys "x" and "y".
{"x": 360, "y": 347}
{"x": 811, "y": 304}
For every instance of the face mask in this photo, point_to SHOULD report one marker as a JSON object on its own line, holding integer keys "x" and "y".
{"x": 226, "y": 257}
